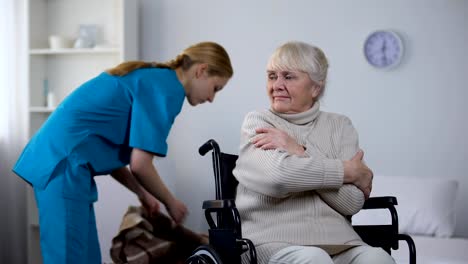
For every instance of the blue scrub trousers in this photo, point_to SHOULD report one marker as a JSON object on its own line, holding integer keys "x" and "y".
{"x": 68, "y": 231}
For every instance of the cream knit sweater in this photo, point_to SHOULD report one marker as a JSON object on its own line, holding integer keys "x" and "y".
{"x": 285, "y": 199}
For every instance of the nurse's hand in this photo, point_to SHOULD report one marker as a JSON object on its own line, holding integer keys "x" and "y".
{"x": 150, "y": 203}
{"x": 177, "y": 210}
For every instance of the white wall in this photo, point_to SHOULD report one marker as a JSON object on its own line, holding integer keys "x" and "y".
{"x": 410, "y": 120}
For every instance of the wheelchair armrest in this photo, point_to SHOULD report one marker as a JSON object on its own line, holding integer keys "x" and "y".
{"x": 370, "y": 233}
{"x": 384, "y": 202}
{"x": 219, "y": 204}
{"x": 227, "y": 214}
{"x": 380, "y": 202}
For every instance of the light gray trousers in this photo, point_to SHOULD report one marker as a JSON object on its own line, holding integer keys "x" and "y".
{"x": 315, "y": 255}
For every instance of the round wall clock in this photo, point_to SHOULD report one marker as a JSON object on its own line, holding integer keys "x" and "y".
{"x": 383, "y": 49}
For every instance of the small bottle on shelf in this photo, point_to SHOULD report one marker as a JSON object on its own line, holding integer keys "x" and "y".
{"x": 45, "y": 87}
{"x": 50, "y": 99}
{"x": 48, "y": 95}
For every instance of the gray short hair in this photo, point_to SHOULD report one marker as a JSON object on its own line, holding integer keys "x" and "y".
{"x": 300, "y": 56}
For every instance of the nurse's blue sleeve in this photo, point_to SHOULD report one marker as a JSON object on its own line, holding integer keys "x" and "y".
{"x": 151, "y": 120}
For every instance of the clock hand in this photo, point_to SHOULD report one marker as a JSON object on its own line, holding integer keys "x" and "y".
{"x": 384, "y": 47}
{"x": 384, "y": 55}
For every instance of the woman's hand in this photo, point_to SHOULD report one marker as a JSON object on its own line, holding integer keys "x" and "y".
{"x": 177, "y": 210}
{"x": 204, "y": 239}
{"x": 273, "y": 138}
{"x": 357, "y": 173}
{"x": 150, "y": 203}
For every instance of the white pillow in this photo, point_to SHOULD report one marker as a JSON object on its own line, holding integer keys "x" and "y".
{"x": 426, "y": 206}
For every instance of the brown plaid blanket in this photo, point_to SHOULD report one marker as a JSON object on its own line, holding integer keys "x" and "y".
{"x": 156, "y": 239}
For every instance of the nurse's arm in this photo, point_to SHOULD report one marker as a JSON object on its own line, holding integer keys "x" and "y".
{"x": 126, "y": 178}
{"x": 141, "y": 165}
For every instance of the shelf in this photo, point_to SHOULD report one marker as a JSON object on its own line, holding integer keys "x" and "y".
{"x": 41, "y": 109}
{"x": 62, "y": 70}
{"x": 72, "y": 51}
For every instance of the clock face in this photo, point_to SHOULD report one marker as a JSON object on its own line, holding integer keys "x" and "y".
{"x": 383, "y": 49}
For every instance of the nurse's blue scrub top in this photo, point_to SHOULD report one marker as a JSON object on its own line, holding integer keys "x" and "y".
{"x": 98, "y": 124}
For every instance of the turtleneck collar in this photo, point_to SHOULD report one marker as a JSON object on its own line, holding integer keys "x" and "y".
{"x": 303, "y": 117}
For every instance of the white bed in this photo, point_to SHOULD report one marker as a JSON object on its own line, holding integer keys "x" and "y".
{"x": 434, "y": 250}
{"x": 427, "y": 212}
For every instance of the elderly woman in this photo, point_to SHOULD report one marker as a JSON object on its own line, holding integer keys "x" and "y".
{"x": 300, "y": 170}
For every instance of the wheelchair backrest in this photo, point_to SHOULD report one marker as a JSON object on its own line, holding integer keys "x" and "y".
{"x": 228, "y": 181}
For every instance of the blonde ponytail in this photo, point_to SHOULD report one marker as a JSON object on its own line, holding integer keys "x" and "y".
{"x": 210, "y": 53}
{"x": 128, "y": 66}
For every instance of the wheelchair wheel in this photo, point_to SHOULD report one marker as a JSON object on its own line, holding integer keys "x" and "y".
{"x": 204, "y": 255}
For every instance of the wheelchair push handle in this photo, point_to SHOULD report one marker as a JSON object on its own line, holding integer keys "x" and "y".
{"x": 212, "y": 145}
{"x": 209, "y": 145}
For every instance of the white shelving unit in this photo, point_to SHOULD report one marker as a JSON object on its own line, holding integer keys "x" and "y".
{"x": 62, "y": 70}
{"x": 74, "y": 51}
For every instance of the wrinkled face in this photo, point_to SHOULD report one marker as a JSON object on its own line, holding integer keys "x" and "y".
{"x": 291, "y": 92}
{"x": 204, "y": 88}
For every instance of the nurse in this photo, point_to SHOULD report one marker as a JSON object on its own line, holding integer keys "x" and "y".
{"x": 121, "y": 117}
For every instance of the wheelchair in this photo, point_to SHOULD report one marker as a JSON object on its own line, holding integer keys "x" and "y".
{"x": 225, "y": 234}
